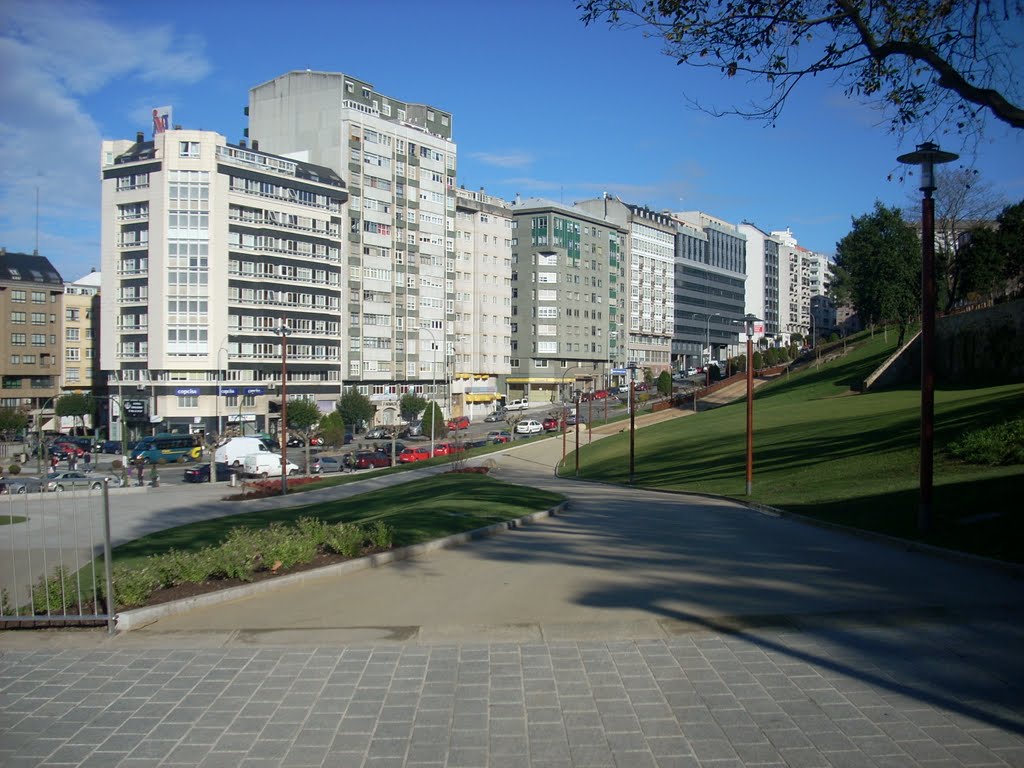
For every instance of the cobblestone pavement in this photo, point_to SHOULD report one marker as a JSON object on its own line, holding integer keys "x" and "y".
{"x": 913, "y": 693}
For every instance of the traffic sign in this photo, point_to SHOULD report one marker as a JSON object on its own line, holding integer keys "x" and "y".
{"x": 618, "y": 371}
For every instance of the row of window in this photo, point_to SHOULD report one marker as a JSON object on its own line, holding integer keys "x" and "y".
{"x": 19, "y": 296}
{"x": 38, "y": 339}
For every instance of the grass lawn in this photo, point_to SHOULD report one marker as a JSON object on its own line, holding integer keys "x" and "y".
{"x": 11, "y": 519}
{"x": 418, "y": 511}
{"x": 824, "y": 451}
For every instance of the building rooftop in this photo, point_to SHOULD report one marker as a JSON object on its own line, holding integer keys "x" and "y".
{"x": 27, "y": 267}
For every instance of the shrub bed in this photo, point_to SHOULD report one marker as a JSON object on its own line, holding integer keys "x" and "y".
{"x": 247, "y": 554}
{"x": 996, "y": 445}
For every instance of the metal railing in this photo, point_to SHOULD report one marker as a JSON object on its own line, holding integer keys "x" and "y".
{"x": 49, "y": 573}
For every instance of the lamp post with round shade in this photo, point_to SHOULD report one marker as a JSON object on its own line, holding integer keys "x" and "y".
{"x": 927, "y": 156}
{"x": 749, "y": 321}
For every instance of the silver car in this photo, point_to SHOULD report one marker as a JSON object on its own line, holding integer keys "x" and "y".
{"x": 19, "y": 485}
{"x": 66, "y": 481}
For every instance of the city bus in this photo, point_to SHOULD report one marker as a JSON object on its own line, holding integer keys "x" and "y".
{"x": 166, "y": 446}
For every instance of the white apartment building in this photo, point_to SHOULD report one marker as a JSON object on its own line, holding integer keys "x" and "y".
{"x": 398, "y": 161}
{"x": 213, "y": 255}
{"x": 483, "y": 302}
{"x": 81, "y": 342}
{"x": 762, "y": 286}
{"x": 646, "y": 309}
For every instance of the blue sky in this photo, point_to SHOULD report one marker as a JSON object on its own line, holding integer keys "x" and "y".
{"x": 542, "y": 106}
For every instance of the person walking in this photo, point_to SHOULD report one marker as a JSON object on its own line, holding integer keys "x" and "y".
{"x": 140, "y": 467}
{"x": 54, "y": 461}
{"x": 87, "y": 461}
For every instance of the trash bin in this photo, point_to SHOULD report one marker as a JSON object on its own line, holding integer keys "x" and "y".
{"x": 234, "y": 479}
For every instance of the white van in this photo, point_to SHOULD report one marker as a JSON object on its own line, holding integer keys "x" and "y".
{"x": 234, "y": 450}
{"x": 517, "y": 405}
{"x": 266, "y": 464}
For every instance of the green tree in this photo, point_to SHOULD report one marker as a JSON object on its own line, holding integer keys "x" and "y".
{"x": 434, "y": 424}
{"x": 355, "y": 409}
{"x": 992, "y": 260}
{"x": 75, "y": 405}
{"x": 332, "y": 427}
{"x": 411, "y": 406}
{"x": 924, "y": 65}
{"x": 878, "y": 268}
{"x": 758, "y": 360}
{"x": 13, "y": 421}
{"x": 665, "y": 383}
{"x": 303, "y": 417}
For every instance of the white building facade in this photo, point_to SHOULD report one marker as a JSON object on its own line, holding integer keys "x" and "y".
{"x": 208, "y": 251}
{"x": 398, "y": 161}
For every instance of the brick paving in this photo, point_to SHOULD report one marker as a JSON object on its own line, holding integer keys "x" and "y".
{"x": 921, "y": 694}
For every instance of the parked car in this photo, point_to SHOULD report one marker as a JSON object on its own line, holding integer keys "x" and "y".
{"x": 447, "y": 449}
{"x": 499, "y": 436}
{"x": 371, "y": 459}
{"x": 551, "y": 424}
{"x": 529, "y": 427}
{"x": 417, "y": 453}
{"x": 517, "y": 405}
{"x": 570, "y": 418}
{"x": 66, "y": 481}
{"x": 691, "y": 371}
{"x": 378, "y": 433}
{"x": 296, "y": 442}
{"x": 494, "y": 416}
{"x": 200, "y": 473}
{"x": 459, "y": 422}
{"x": 63, "y": 451}
{"x": 109, "y": 446}
{"x": 412, "y": 429}
{"x": 324, "y": 464}
{"x": 19, "y": 485}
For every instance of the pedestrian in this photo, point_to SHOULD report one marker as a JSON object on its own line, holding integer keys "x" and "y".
{"x": 347, "y": 462}
{"x": 72, "y": 461}
{"x": 87, "y": 461}
{"x": 53, "y": 463}
{"x": 140, "y": 466}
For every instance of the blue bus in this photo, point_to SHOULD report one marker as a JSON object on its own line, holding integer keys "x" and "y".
{"x": 166, "y": 446}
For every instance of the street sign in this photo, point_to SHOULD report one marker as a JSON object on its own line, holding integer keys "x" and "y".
{"x": 134, "y": 408}
{"x": 618, "y": 371}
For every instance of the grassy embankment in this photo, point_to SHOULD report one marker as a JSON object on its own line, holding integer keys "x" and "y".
{"x": 825, "y": 451}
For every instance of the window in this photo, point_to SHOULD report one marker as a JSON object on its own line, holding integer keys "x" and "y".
{"x": 38, "y": 318}
{"x": 188, "y": 149}
{"x": 38, "y": 297}
{"x": 188, "y": 401}
{"x": 72, "y": 354}
{"x": 15, "y": 359}
{"x": 19, "y": 296}
{"x": 18, "y": 317}
{"x": 38, "y": 339}
{"x": 18, "y": 339}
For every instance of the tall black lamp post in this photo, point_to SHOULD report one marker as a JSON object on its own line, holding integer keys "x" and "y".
{"x": 748, "y": 323}
{"x": 928, "y": 155}
{"x": 632, "y": 419}
{"x": 284, "y": 331}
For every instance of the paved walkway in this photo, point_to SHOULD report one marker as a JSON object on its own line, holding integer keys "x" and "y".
{"x": 638, "y": 629}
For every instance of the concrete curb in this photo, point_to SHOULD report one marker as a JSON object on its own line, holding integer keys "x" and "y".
{"x": 141, "y": 617}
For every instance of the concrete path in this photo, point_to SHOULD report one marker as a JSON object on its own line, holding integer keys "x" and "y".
{"x": 637, "y": 629}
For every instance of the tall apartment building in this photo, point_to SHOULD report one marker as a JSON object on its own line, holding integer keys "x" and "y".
{"x": 31, "y": 345}
{"x": 213, "y": 255}
{"x": 483, "y": 302}
{"x": 711, "y": 271}
{"x": 398, "y": 160}
{"x": 645, "y": 310}
{"x": 762, "y": 286}
{"x": 81, "y": 336}
{"x": 565, "y": 277}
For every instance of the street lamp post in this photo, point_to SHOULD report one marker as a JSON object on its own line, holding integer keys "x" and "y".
{"x": 564, "y": 425}
{"x": 749, "y": 321}
{"x": 220, "y": 421}
{"x": 433, "y": 376}
{"x": 283, "y": 331}
{"x": 632, "y": 419}
{"x": 707, "y": 339}
{"x": 927, "y": 156}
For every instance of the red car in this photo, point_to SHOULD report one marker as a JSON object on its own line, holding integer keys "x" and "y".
{"x": 371, "y": 459}
{"x": 459, "y": 422}
{"x": 410, "y": 455}
{"x": 447, "y": 449}
{"x": 550, "y": 424}
{"x": 601, "y": 394}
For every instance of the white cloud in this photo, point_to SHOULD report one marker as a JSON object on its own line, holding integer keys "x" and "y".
{"x": 506, "y": 160}
{"x": 53, "y": 56}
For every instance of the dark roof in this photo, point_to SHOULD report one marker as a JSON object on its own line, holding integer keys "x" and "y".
{"x": 141, "y": 150}
{"x": 28, "y": 268}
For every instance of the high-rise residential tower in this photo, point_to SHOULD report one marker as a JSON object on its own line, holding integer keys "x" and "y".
{"x": 565, "y": 277}
{"x": 398, "y": 160}
{"x": 213, "y": 256}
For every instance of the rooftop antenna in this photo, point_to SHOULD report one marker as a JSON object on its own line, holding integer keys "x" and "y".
{"x": 37, "y": 221}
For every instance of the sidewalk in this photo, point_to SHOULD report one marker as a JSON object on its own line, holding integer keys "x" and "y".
{"x": 638, "y": 629}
